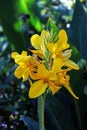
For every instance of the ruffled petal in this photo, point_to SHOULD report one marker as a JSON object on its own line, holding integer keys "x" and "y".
{"x": 20, "y": 58}
{"x": 14, "y": 54}
{"x": 24, "y": 53}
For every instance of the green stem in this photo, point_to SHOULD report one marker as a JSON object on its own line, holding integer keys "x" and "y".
{"x": 41, "y": 112}
{"x": 78, "y": 115}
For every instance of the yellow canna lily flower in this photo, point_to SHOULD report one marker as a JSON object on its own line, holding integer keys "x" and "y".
{"x": 27, "y": 65}
{"x": 60, "y": 45}
{"x": 48, "y": 73}
{"x": 60, "y": 52}
{"x": 53, "y": 81}
{"x": 20, "y": 58}
{"x": 63, "y": 80}
{"x": 45, "y": 81}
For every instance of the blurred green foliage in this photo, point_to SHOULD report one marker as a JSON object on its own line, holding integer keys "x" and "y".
{"x": 78, "y": 29}
{"x": 18, "y": 21}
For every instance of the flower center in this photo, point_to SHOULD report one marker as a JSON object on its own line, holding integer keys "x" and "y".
{"x": 45, "y": 80}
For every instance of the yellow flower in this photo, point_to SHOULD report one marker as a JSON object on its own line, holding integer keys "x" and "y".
{"x": 39, "y": 43}
{"x": 60, "y": 45}
{"x": 27, "y": 65}
{"x": 63, "y": 80}
{"x": 48, "y": 79}
{"x": 45, "y": 80}
{"x": 48, "y": 73}
{"x": 60, "y": 52}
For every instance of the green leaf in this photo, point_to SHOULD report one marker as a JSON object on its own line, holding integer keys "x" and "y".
{"x": 31, "y": 8}
{"x": 8, "y": 18}
{"x": 30, "y": 123}
{"x": 9, "y": 13}
{"x": 57, "y": 116}
{"x": 79, "y": 85}
{"x": 78, "y": 29}
{"x": 52, "y": 28}
{"x": 76, "y": 56}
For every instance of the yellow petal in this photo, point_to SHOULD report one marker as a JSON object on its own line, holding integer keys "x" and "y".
{"x": 22, "y": 59}
{"x": 25, "y": 74}
{"x": 38, "y": 53}
{"x": 33, "y": 75}
{"x": 52, "y": 47}
{"x": 19, "y": 71}
{"x": 63, "y": 36}
{"x": 53, "y": 87}
{"x": 14, "y": 54}
{"x": 57, "y": 64}
{"x": 45, "y": 36}
{"x": 37, "y": 89}
{"x": 52, "y": 76}
{"x": 67, "y": 54}
{"x": 24, "y": 53}
{"x": 71, "y": 64}
{"x": 62, "y": 41}
{"x": 70, "y": 90}
{"x": 42, "y": 71}
{"x": 33, "y": 72}
{"x": 36, "y": 41}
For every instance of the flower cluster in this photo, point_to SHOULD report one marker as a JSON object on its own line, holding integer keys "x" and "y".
{"x": 47, "y": 67}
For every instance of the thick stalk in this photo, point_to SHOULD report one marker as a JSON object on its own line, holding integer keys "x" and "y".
{"x": 41, "y": 112}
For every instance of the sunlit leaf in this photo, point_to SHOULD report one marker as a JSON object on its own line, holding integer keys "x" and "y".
{"x": 52, "y": 27}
